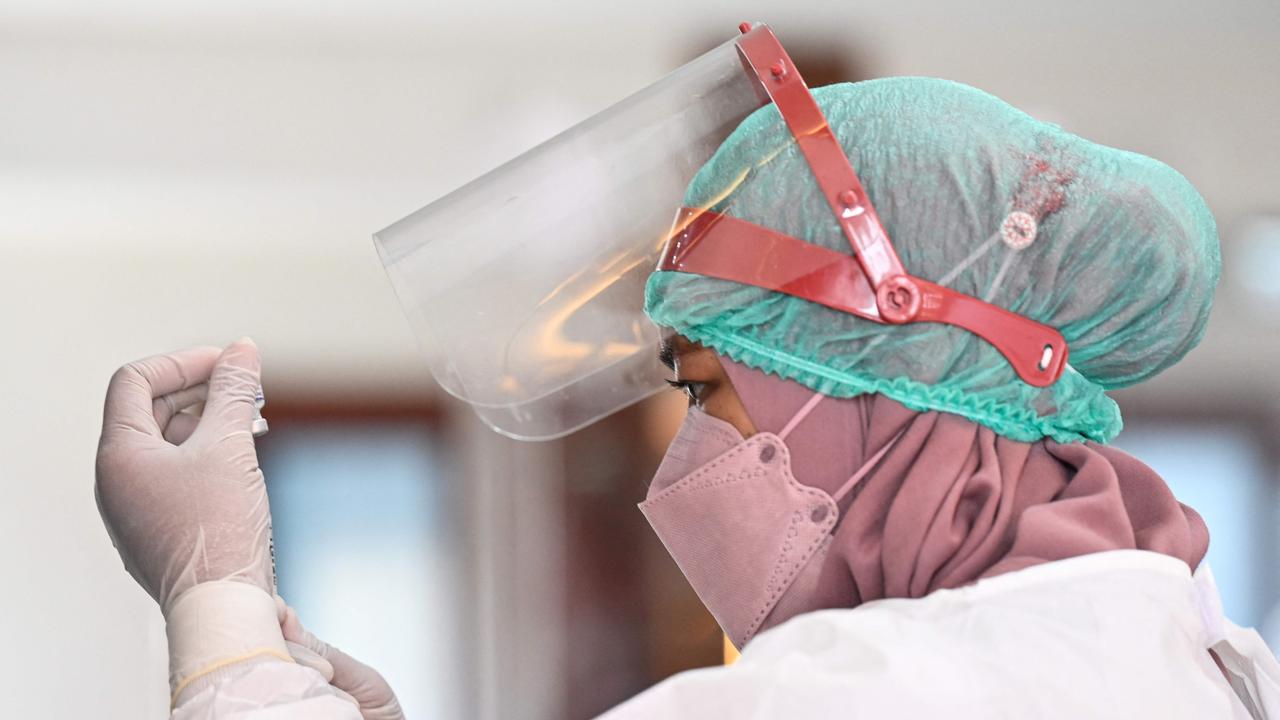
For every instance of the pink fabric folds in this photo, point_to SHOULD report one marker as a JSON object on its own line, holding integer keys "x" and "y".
{"x": 950, "y": 502}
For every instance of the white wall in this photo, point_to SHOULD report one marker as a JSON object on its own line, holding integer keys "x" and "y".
{"x": 178, "y": 173}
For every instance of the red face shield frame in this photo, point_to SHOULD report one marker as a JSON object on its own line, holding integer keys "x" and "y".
{"x": 871, "y": 283}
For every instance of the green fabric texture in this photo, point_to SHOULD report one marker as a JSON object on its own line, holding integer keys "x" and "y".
{"x": 1124, "y": 261}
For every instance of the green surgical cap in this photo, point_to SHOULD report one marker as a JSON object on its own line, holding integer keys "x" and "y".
{"x": 1123, "y": 258}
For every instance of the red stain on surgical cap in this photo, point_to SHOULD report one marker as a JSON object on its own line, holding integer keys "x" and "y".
{"x": 1042, "y": 189}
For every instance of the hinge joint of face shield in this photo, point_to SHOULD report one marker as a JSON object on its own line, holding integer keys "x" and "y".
{"x": 705, "y": 242}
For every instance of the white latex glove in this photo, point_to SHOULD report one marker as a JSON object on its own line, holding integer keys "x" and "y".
{"x": 364, "y": 685}
{"x": 185, "y": 503}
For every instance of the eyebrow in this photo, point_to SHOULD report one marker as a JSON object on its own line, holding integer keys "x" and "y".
{"x": 667, "y": 355}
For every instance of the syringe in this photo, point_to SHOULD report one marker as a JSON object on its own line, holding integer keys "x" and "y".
{"x": 259, "y": 422}
{"x": 259, "y": 429}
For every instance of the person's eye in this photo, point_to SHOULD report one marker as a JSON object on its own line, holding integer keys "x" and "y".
{"x": 691, "y": 389}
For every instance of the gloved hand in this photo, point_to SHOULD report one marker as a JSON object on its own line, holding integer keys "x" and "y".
{"x": 194, "y": 512}
{"x": 186, "y": 505}
{"x": 365, "y": 686}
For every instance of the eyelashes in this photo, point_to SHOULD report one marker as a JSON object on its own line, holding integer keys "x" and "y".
{"x": 691, "y": 389}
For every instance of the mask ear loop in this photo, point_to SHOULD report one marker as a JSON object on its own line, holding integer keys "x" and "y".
{"x": 866, "y": 468}
{"x": 862, "y": 472}
{"x": 801, "y": 414}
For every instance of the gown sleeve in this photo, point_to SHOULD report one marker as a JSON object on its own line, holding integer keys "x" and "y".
{"x": 272, "y": 690}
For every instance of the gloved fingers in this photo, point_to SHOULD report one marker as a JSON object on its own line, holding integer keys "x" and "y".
{"x": 371, "y": 691}
{"x": 166, "y": 407}
{"x": 292, "y": 629}
{"x": 366, "y": 686}
{"x": 233, "y": 386}
{"x": 134, "y": 388}
{"x": 304, "y": 656}
{"x": 345, "y": 696}
{"x": 180, "y": 427}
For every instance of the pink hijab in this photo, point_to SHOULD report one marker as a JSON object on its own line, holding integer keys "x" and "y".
{"x": 951, "y": 502}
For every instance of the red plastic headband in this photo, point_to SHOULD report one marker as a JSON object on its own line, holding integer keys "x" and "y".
{"x": 872, "y": 284}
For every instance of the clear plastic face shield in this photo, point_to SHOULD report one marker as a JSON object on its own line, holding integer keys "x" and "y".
{"x": 525, "y": 287}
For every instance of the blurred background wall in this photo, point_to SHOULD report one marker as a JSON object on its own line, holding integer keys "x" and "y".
{"x": 174, "y": 173}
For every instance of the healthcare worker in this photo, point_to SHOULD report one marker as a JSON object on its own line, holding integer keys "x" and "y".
{"x": 892, "y": 487}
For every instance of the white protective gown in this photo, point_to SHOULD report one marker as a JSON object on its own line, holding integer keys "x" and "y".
{"x": 1121, "y": 634}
